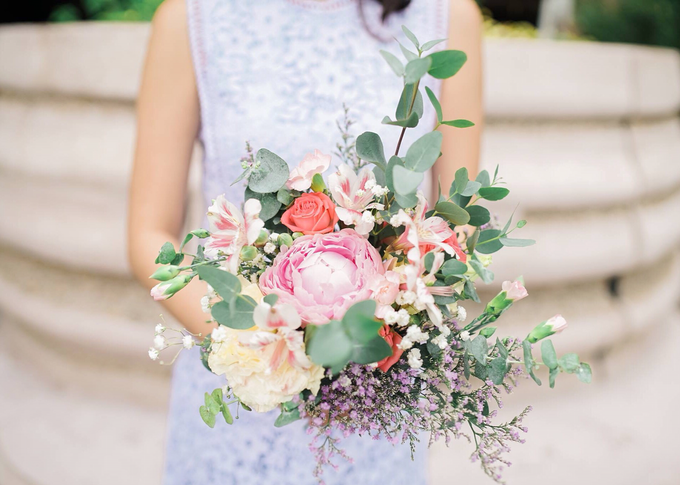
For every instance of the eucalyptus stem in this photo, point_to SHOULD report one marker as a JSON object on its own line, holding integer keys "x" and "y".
{"x": 410, "y": 110}
{"x": 203, "y": 263}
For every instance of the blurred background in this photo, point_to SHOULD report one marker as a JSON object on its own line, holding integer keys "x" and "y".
{"x": 582, "y": 104}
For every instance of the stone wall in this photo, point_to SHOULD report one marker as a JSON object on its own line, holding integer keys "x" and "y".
{"x": 588, "y": 138}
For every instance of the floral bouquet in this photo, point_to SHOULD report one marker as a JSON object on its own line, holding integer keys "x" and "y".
{"x": 334, "y": 294}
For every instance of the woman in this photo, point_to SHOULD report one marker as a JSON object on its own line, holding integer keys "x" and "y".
{"x": 276, "y": 73}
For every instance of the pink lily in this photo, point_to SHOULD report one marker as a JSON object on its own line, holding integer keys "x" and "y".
{"x": 352, "y": 193}
{"x": 230, "y": 229}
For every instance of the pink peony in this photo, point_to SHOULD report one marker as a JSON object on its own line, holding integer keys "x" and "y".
{"x": 301, "y": 176}
{"x": 322, "y": 275}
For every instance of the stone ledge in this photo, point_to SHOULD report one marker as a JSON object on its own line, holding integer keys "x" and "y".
{"x": 524, "y": 78}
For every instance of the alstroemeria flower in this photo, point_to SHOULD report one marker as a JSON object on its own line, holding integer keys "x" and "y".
{"x": 352, "y": 193}
{"x": 230, "y": 229}
{"x": 301, "y": 176}
{"x": 431, "y": 232}
{"x": 278, "y": 327}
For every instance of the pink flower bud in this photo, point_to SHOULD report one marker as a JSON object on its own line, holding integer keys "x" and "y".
{"x": 514, "y": 290}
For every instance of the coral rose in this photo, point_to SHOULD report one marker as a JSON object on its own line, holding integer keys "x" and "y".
{"x": 312, "y": 213}
{"x": 324, "y": 274}
{"x": 393, "y": 339}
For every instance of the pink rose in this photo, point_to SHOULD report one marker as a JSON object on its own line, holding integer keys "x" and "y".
{"x": 301, "y": 176}
{"x": 322, "y": 275}
{"x": 311, "y": 213}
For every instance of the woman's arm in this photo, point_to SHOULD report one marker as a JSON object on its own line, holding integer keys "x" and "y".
{"x": 461, "y": 96}
{"x": 167, "y": 125}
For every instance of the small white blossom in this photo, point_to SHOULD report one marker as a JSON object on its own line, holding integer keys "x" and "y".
{"x": 188, "y": 341}
{"x": 219, "y": 334}
{"x": 153, "y": 353}
{"x": 403, "y": 318}
{"x": 205, "y": 304}
{"x": 461, "y": 315}
{"x": 391, "y": 317}
{"x": 440, "y": 341}
{"x": 414, "y": 360}
{"x": 360, "y": 192}
{"x": 406, "y": 297}
{"x": 446, "y": 331}
{"x": 211, "y": 292}
{"x": 274, "y": 236}
{"x": 465, "y": 335}
{"x": 379, "y": 190}
{"x": 415, "y": 334}
{"x": 269, "y": 248}
{"x": 159, "y": 342}
{"x": 367, "y": 217}
{"x": 159, "y": 328}
{"x": 405, "y": 344}
{"x": 370, "y": 183}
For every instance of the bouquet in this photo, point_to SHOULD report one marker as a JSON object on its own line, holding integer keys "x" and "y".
{"x": 333, "y": 294}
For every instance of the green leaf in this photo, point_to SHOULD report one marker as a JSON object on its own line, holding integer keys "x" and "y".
{"x": 287, "y": 417}
{"x": 329, "y": 344}
{"x": 271, "y": 175}
{"x": 428, "y": 261}
{"x": 411, "y": 36}
{"x": 430, "y": 44}
{"x": 516, "y": 243}
{"x": 548, "y": 353}
{"x": 244, "y": 174}
{"x": 284, "y": 196}
{"x": 416, "y": 69}
{"x": 410, "y": 122}
{"x": 406, "y": 181}
{"x": 422, "y": 154}
{"x": 521, "y": 224}
{"x": 435, "y": 103}
{"x": 271, "y": 299}
{"x": 460, "y": 181}
{"x": 389, "y": 173}
{"x": 406, "y": 201}
{"x": 223, "y": 282}
{"x": 487, "y": 332}
{"x": 488, "y": 241}
{"x": 584, "y": 373}
{"x": 453, "y": 267}
{"x": 472, "y": 241}
{"x": 569, "y": 363}
{"x": 478, "y": 215}
{"x": 359, "y": 322}
{"x": 552, "y": 376}
{"x": 212, "y": 405}
{"x": 404, "y": 108}
{"x": 470, "y": 291}
{"x": 370, "y": 148}
{"x": 167, "y": 254}
{"x": 379, "y": 173}
{"x": 373, "y": 351}
{"x": 409, "y": 55}
{"x": 497, "y": 370}
{"x": 452, "y": 213}
{"x": 393, "y": 62}
{"x": 459, "y": 123}
{"x": 493, "y": 193}
{"x": 502, "y": 351}
{"x": 529, "y": 361}
{"x": 241, "y": 318}
{"x": 226, "y": 414}
{"x": 478, "y": 348}
{"x": 270, "y": 203}
{"x": 207, "y": 417}
{"x": 483, "y": 178}
{"x": 446, "y": 63}
{"x": 466, "y": 366}
{"x": 486, "y": 275}
{"x": 217, "y": 395}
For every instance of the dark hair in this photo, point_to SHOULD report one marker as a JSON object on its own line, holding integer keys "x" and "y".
{"x": 391, "y": 6}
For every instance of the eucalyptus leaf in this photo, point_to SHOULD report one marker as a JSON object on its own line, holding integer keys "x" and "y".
{"x": 370, "y": 148}
{"x": 471, "y": 188}
{"x": 489, "y": 241}
{"x": 271, "y": 299}
{"x": 430, "y": 44}
{"x": 584, "y": 373}
{"x": 329, "y": 345}
{"x": 411, "y": 36}
{"x": 446, "y": 63}
{"x": 284, "y": 196}
{"x": 516, "y": 243}
{"x": 483, "y": 178}
{"x": 478, "y": 215}
{"x": 393, "y": 62}
{"x": 223, "y": 282}
{"x": 207, "y": 417}
{"x": 460, "y": 180}
{"x": 269, "y": 202}
{"x": 422, "y": 154}
{"x": 471, "y": 242}
{"x": 497, "y": 370}
{"x": 373, "y": 351}
{"x": 428, "y": 261}
{"x": 226, "y": 414}
{"x": 212, "y": 405}
{"x": 459, "y": 123}
{"x": 406, "y": 181}
{"x": 435, "y": 103}
{"x": 529, "y": 361}
{"x": 167, "y": 254}
{"x": 470, "y": 291}
{"x": 569, "y": 363}
{"x": 487, "y": 332}
{"x": 493, "y": 193}
{"x": 389, "y": 173}
{"x": 553, "y": 374}
{"x": 287, "y": 417}
{"x": 453, "y": 267}
{"x": 478, "y": 348}
{"x": 452, "y": 213}
{"x": 404, "y": 108}
{"x": 548, "y": 353}
{"x": 241, "y": 319}
{"x": 359, "y": 322}
{"x": 410, "y": 122}
{"x": 409, "y": 55}
{"x": 416, "y": 69}
{"x": 271, "y": 175}
{"x": 406, "y": 201}
{"x": 486, "y": 275}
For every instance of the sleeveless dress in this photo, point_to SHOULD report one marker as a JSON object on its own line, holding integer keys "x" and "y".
{"x": 276, "y": 73}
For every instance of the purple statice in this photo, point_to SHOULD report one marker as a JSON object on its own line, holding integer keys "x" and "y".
{"x": 437, "y": 399}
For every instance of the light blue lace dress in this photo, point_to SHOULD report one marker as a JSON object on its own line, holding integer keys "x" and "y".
{"x": 276, "y": 73}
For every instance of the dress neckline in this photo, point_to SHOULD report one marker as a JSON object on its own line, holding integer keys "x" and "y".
{"x": 325, "y": 5}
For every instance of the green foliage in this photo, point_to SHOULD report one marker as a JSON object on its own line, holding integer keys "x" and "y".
{"x": 370, "y": 148}
{"x": 236, "y": 310}
{"x": 113, "y": 10}
{"x": 271, "y": 173}
{"x": 422, "y": 154}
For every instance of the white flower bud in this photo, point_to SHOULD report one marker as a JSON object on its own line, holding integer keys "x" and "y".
{"x": 465, "y": 335}
{"x": 370, "y": 183}
{"x": 403, "y": 318}
{"x": 461, "y": 314}
{"x": 269, "y": 248}
{"x": 159, "y": 328}
{"x": 159, "y": 342}
{"x": 188, "y": 341}
{"x": 205, "y": 304}
{"x": 414, "y": 360}
{"x": 153, "y": 353}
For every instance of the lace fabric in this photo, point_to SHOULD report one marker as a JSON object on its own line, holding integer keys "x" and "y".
{"x": 276, "y": 73}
